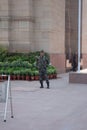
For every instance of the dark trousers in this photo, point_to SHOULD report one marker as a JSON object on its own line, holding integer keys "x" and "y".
{"x": 43, "y": 76}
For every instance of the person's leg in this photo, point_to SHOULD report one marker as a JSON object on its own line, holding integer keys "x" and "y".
{"x": 41, "y": 80}
{"x": 47, "y": 80}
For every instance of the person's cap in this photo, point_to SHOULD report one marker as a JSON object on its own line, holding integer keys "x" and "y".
{"x": 42, "y": 51}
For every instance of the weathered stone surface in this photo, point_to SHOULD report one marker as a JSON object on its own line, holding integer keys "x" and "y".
{"x": 31, "y": 25}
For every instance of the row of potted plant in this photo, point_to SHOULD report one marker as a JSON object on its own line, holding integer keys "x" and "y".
{"x": 16, "y": 63}
{"x": 22, "y": 65}
{"x": 6, "y": 56}
{"x": 25, "y": 73}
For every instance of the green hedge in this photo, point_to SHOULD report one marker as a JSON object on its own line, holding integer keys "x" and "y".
{"x": 21, "y": 63}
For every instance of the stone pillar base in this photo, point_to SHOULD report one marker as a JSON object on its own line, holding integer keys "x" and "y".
{"x": 78, "y": 77}
{"x": 58, "y": 60}
{"x": 84, "y": 57}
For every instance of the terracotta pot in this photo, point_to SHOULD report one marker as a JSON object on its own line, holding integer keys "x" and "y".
{"x": 23, "y": 77}
{"x": 27, "y": 77}
{"x": 54, "y": 76}
{"x": 1, "y": 77}
{"x": 18, "y": 77}
{"x": 14, "y": 77}
{"x": 32, "y": 78}
{"x": 11, "y": 77}
{"x": 37, "y": 77}
{"x": 49, "y": 76}
{"x": 4, "y": 77}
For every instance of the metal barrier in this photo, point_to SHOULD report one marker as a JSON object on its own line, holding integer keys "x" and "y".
{"x": 5, "y": 94}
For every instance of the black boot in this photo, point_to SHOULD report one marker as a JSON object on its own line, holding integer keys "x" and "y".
{"x": 47, "y": 84}
{"x": 41, "y": 82}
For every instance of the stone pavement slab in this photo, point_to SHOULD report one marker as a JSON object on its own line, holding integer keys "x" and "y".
{"x": 62, "y": 107}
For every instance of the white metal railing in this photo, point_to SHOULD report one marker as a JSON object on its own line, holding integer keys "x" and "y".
{"x": 5, "y": 94}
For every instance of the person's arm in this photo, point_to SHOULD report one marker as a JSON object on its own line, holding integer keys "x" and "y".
{"x": 47, "y": 61}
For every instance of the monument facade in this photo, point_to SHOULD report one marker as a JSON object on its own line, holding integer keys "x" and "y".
{"x": 51, "y": 25}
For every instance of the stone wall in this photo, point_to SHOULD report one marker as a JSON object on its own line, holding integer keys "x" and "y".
{"x": 71, "y": 27}
{"x": 84, "y": 33}
{"x": 34, "y": 25}
{"x": 4, "y": 15}
{"x": 16, "y": 25}
{"x": 57, "y": 35}
{"x": 50, "y": 30}
{"x": 21, "y": 24}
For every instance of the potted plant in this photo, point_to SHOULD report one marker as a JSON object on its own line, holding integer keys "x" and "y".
{"x": 49, "y": 73}
{"x": 14, "y": 75}
{"x": 36, "y": 73}
{"x": 55, "y": 74}
{"x": 4, "y": 73}
{"x": 18, "y": 74}
{"x": 32, "y": 75}
{"x": 6, "y": 64}
{"x": 23, "y": 74}
{"x": 25, "y": 64}
{"x": 27, "y": 74}
{"x": 1, "y": 72}
{"x": 1, "y": 64}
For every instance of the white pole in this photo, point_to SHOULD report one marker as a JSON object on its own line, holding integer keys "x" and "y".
{"x": 79, "y": 32}
{"x": 6, "y": 104}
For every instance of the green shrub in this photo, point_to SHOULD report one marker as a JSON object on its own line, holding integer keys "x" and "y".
{"x": 36, "y": 72}
{"x": 21, "y": 63}
{"x": 3, "y": 54}
{"x": 1, "y": 64}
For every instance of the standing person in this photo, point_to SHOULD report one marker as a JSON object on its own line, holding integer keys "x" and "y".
{"x": 42, "y": 64}
{"x": 74, "y": 62}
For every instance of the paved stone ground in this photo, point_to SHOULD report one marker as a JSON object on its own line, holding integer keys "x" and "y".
{"x": 62, "y": 107}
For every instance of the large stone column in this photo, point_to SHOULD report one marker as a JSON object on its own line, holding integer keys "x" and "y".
{"x": 84, "y": 33}
{"x": 21, "y": 25}
{"x": 4, "y": 16}
{"x": 50, "y": 30}
{"x": 71, "y": 27}
{"x": 57, "y": 35}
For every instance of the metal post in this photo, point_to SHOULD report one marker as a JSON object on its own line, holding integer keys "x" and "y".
{"x": 6, "y": 104}
{"x": 11, "y": 99}
{"x": 79, "y": 32}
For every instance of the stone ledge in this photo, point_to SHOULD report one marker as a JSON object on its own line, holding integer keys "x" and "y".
{"x": 78, "y": 77}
